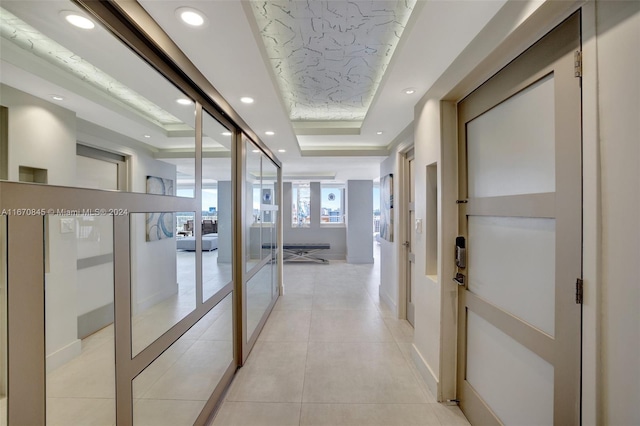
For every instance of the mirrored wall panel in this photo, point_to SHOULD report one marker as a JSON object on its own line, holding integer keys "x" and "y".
{"x": 217, "y": 206}
{"x": 163, "y": 278}
{"x": 3, "y": 321}
{"x": 57, "y": 81}
{"x": 175, "y": 387}
{"x": 253, "y": 216}
{"x": 259, "y": 296}
{"x": 79, "y": 315}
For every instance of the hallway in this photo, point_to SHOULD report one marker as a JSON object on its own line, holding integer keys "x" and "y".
{"x": 331, "y": 353}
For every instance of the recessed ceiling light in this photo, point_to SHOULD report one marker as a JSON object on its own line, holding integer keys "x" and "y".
{"x": 409, "y": 91}
{"x": 282, "y": 150}
{"x": 78, "y": 20}
{"x": 147, "y": 136}
{"x": 269, "y": 133}
{"x": 183, "y": 101}
{"x": 378, "y": 133}
{"x": 191, "y": 17}
{"x": 57, "y": 98}
{"x": 246, "y": 100}
{"x": 226, "y": 133}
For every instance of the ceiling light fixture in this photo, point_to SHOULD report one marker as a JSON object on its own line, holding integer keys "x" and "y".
{"x": 282, "y": 150}
{"x": 78, "y": 20}
{"x": 269, "y": 133}
{"x": 246, "y": 100}
{"x": 255, "y": 150}
{"x": 190, "y": 16}
{"x": 226, "y": 133}
{"x": 147, "y": 136}
{"x": 184, "y": 101}
{"x": 57, "y": 98}
{"x": 378, "y": 133}
{"x": 409, "y": 91}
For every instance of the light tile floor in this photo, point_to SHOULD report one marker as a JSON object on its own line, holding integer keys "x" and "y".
{"x": 332, "y": 354}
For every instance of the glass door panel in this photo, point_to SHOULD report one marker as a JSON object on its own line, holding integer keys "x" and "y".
{"x": 217, "y": 206}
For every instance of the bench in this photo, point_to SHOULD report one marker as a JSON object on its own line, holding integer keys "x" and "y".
{"x": 302, "y": 252}
{"x": 209, "y": 242}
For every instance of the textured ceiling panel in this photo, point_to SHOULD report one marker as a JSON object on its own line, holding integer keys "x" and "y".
{"x": 329, "y": 56}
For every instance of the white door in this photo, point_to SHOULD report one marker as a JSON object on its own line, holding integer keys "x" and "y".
{"x": 520, "y": 212}
{"x": 410, "y": 212}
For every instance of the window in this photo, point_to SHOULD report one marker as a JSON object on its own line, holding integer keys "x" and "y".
{"x": 332, "y": 204}
{"x": 301, "y": 205}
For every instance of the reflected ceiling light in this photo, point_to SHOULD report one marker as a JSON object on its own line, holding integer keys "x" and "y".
{"x": 190, "y": 16}
{"x": 246, "y": 100}
{"x": 269, "y": 133}
{"x": 184, "y": 101}
{"x": 26, "y": 37}
{"x": 409, "y": 91}
{"x": 226, "y": 133}
{"x": 282, "y": 150}
{"x": 57, "y": 98}
{"x": 378, "y": 133}
{"x": 78, "y": 20}
{"x": 147, "y": 136}
{"x": 256, "y": 150}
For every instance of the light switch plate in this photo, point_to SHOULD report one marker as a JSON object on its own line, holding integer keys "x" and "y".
{"x": 66, "y": 225}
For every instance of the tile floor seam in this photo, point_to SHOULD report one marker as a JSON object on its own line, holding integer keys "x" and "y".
{"x": 306, "y": 359}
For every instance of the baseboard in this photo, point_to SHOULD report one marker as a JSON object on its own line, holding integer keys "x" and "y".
{"x": 360, "y": 260}
{"x": 388, "y": 301}
{"x": 95, "y": 320}
{"x": 425, "y": 371}
{"x": 154, "y": 300}
{"x": 64, "y": 355}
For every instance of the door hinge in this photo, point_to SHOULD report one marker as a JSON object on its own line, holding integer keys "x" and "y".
{"x": 579, "y": 291}
{"x": 577, "y": 63}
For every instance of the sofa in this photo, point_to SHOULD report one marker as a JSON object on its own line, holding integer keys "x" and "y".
{"x": 209, "y": 242}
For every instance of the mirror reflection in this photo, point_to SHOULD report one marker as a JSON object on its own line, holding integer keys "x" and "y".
{"x": 217, "y": 202}
{"x": 163, "y": 285}
{"x": 79, "y": 314}
{"x": 174, "y": 388}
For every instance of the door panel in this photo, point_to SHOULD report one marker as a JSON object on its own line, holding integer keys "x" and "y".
{"x": 520, "y": 172}
{"x": 511, "y": 147}
{"x": 497, "y": 362}
{"x": 524, "y": 283}
{"x": 410, "y": 209}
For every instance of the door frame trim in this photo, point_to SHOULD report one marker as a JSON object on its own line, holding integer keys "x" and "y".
{"x": 403, "y": 255}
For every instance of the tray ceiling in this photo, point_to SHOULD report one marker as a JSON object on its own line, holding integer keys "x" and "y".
{"x": 329, "y": 57}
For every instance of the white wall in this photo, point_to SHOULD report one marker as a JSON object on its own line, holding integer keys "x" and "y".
{"x": 618, "y": 38}
{"x": 359, "y": 218}
{"x": 427, "y": 291}
{"x": 41, "y": 134}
